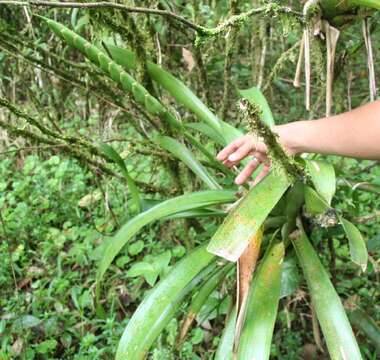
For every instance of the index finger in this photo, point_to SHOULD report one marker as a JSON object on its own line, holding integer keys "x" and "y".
{"x": 229, "y": 149}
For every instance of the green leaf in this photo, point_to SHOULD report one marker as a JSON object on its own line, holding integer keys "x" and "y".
{"x": 374, "y": 4}
{"x": 160, "y": 211}
{"x": 336, "y": 329}
{"x": 363, "y": 322}
{"x": 46, "y": 346}
{"x": 206, "y": 212}
{"x": 184, "y": 154}
{"x": 261, "y": 311}
{"x": 161, "y": 304}
{"x": 314, "y": 203}
{"x": 208, "y": 287}
{"x": 208, "y": 131}
{"x": 151, "y": 268}
{"x": 256, "y": 97}
{"x": 233, "y": 236}
{"x": 294, "y": 199}
{"x": 110, "y": 152}
{"x": 197, "y": 337}
{"x": 136, "y": 248}
{"x": 115, "y": 72}
{"x": 225, "y": 347}
{"x": 202, "y": 296}
{"x": 179, "y": 91}
{"x": 358, "y": 249}
{"x": 323, "y": 177}
{"x": 144, "y": 269}
{"x": 290, "y": 276}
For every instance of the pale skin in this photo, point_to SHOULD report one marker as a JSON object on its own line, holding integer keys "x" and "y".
{"x": 353, "y": 134}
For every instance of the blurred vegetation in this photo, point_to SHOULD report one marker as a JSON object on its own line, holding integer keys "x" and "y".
{"x": 63, "y": 199}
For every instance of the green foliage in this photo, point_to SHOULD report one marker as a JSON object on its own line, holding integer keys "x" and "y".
{"x": 168, "y": 207}
{"x": 65, "y": 226}
{"x": 244, "y": 220}
{"x": 157, "y": 309}
{"x": 339, "y": 336}
{"x": 260, "y": 317}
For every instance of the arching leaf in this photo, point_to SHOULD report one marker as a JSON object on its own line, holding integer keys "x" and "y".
{"x": 363, "y": 322}
{"x": 160, "y": 211}
{"x": 225, "y": 347}
{"x": 179, "y": 91}
{"x": 358, "y": 249}
{"x": 181, "y": 152}
{"x": 208, "y": 131}
{"x": 323, "y": 177}
{"x": 115, "y": 157}
{"x": 233, "y": 236}
{"x": 201, "y": 297}
{"x": 161, "y": 304}
{"x": 336, "y": 329}
{"x": 261, "y": 312}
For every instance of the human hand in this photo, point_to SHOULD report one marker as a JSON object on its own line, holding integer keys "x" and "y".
{"x": 239, "y": 149}
{"x": 249, "y": 145}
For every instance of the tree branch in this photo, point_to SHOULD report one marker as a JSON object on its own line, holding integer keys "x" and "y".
{"x": 105, "y": 5}
{"x": 78, "y": 148}
{"x": 367, "y": 218}
{"x": 236, "y": 20}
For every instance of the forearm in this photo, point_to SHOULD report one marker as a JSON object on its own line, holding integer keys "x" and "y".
{"x": 353, "y": 134}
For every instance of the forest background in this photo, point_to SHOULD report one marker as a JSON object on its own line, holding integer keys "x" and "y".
{"x": 76, "y": 152}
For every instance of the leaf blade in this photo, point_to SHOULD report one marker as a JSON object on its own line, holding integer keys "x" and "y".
{"x": 232, "y": 237}
{"x": 322, "y": 175}
{"x": 160, "y": 305}
{"x": 179, "y": 91}
{"x": 116, "y": 158}
{"x": 225, "y": 347}
{"x": 262, "y": 305}
{"x": 336, "y": 329}
{"x": 358, "y": 248}
{"x": 166, "y": 208}
{"x": 181, "y": 152}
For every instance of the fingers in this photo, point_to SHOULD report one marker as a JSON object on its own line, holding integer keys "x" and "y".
{"x": 241, "y": 148}
{"x": 243, "y": 151}
{"x": 247, "y": 172}
{"x": 258, "y": 158}
{"x": 262, "y": 174}
{"x": 229, "y": 149}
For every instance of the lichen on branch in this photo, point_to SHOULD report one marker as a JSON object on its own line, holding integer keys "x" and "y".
{"x": 236, "y": 21}
{"x": 252, "y": 117}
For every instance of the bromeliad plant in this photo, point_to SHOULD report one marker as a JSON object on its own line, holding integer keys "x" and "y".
{"x": 261, "y": 227}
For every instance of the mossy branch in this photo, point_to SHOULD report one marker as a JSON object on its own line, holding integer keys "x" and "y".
{"x": 69, "y": 140}
{"x": 271, "y": 9}
{"x": 78, "y": 148}
{"x": 66, "y": 148}
{"x": 252, "y": 117}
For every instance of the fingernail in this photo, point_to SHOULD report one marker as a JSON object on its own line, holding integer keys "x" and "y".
{"x": 232, "y": 157}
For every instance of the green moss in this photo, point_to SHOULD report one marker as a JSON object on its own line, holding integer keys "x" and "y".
{"x": 252, "y": 116}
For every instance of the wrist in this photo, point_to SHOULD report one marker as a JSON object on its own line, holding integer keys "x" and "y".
{"x": 290, "y": 137}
